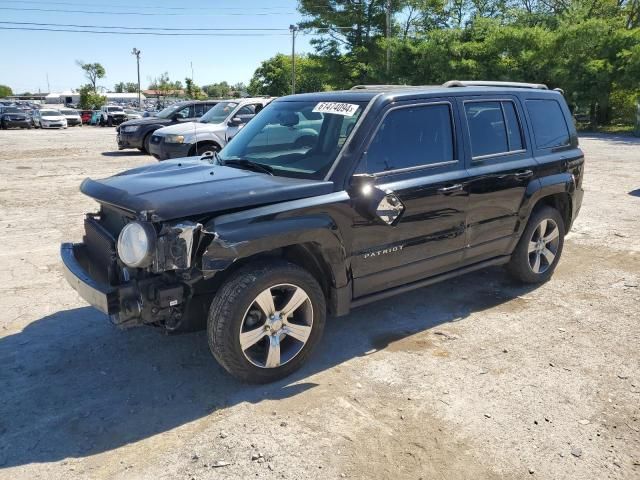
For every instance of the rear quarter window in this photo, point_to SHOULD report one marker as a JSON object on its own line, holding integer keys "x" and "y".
{"x": 549, "y": 126}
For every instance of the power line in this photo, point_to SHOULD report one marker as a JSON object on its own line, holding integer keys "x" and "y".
{"x": 141, "y": 28}
{"x": 128, "y": 6}
{"x": 190, "y": 29}
{"x": 160, "y": 34}
{"x": 146, "y": 14}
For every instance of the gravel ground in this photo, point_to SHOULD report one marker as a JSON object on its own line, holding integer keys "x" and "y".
{"x": 474, "y": 378}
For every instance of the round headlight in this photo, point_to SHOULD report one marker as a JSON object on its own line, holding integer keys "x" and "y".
{"x": 136, "y": 244}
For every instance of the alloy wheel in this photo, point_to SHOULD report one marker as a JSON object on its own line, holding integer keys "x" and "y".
{"x": 543, "y": 246}
{"x": 276, "y": 326}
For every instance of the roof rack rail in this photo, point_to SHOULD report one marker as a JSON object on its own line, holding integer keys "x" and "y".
{"x": 390, "y": 87}
{"x": 483, "y": 83}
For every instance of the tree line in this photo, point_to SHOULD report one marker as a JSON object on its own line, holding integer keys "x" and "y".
{"x": 589, "y": 48}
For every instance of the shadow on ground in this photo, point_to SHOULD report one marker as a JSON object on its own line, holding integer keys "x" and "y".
{"x": 73, "y": 385}
{"x": 123, "y": 153}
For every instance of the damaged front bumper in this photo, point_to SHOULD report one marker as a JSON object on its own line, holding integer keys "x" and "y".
{"x": 75, "y": 264}
{"x": 135, "y": 302}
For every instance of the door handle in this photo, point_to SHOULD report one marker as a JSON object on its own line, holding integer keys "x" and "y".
{"x": 524, "y": 174}
{"x": 450, "y": 189}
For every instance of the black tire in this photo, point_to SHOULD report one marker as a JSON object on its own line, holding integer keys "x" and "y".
{"x": 520, "y": 264}
{"x": 3, "y": 126}
{"x": 201, "y": 149}
{"x": 233, "y": 300}
{"x": 146, "y": 142}
{"x": 110, "y": 121}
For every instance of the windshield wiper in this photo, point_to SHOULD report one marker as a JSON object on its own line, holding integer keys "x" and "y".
{"x": 248, "y": 165}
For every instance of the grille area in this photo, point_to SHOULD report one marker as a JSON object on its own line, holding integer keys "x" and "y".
{"x": 101, "y": 249}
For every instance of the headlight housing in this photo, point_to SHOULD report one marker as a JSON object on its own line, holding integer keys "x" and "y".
{"x": 174, "y": 139}
{"x": 136, "y": 244}
{"x": 130, "y": 128}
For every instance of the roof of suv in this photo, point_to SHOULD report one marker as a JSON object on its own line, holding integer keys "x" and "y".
{"x": 365, "y": 93}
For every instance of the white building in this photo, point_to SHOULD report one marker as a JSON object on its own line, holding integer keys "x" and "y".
{"x": 69, "y": 96}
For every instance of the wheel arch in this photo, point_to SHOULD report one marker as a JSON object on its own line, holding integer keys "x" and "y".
{"x": 312, "y": 243}
{"x": 192, "y": 150}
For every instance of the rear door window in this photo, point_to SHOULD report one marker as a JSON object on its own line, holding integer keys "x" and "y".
{"x": 549, "y": 127}
{"x": 494, "y": 128}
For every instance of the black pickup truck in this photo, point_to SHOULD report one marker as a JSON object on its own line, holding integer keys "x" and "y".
{"x": 401, "y": 187}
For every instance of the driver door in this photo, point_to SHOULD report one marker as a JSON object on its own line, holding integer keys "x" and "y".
{"x": 416, "y": 229}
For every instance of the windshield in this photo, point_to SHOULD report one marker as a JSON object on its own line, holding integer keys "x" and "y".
{"x": 49, "y": 112}
{"x": 218, "y": 113}
{"x": 68, "y": 112}
{"x": 169, "y": 111}
{"x": 114, "y": 109}
{"x": 296, "y": 139}
{"x": 11, "y": 110}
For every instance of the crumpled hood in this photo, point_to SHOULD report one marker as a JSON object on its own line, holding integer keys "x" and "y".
{"x": 190, "y": 128}
{"x": 189, "y": 186}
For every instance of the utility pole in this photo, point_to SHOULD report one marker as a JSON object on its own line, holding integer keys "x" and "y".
{"x": 137, "y": 53}
{"x": 192, "y": 79}
{"x": 48, "y": 87}
{"x": 388, "y": 8}
{"x": 293, "y": 29}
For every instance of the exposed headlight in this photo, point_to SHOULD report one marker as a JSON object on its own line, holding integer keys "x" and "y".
{"x": 174, "y": 139}
{"x": 130, "y": 128}
{"x": 136, "y": 244}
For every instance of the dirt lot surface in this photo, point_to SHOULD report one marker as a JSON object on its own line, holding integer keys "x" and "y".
{"x": 471, "y": 379}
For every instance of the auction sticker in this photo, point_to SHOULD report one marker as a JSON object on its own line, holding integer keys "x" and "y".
{"x": 344, "y": 109}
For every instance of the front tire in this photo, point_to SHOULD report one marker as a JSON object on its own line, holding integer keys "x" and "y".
{"x": 265, "y": 321}
{"x": 207, "y": 147}
{"x": 537, "y": 254}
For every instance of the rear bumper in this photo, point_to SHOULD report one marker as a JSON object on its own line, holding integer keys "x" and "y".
{"x": 99, "y": 295}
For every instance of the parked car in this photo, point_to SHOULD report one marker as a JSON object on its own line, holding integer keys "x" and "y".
{"x": 49, "y": 118}
{"x": 11, "y": 117}
{"x": 137, "y": 133}
{"x": 402, "y": 188}
{"x": 85, "y": 116}
{"x": 95, "y": 117}
{"x": 132, "y": 114}
{"x": 210, "y": 133}
{"x": 111, "y": 115}
{"x": 72, "y": 116}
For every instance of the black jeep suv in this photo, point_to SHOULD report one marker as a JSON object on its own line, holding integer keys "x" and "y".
{"x": 400, "y": 187}
{"x": 137, "y": 133}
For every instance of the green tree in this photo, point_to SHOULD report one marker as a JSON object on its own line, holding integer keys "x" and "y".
{"x": 218, "y": 90}
{"x": 273, "y": 76}
{"x": 193, "y": 91}
{"x": 128, "y": 87}
{"x": 93, "y": 72}
{"x": 5, "y": 91}
{"x": 89, "y": 99}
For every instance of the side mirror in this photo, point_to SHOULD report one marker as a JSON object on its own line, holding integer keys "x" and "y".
{"x": 235, "y": 122}
{"x": 372, "y": 202}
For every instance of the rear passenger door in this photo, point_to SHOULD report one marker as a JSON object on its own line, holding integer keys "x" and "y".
{"x": 500, "y": 165}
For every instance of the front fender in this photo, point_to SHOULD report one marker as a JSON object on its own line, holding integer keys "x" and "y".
{"x": 222, "y": 244}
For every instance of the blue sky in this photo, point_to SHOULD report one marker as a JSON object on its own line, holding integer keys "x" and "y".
{"x": 28, "y": 56}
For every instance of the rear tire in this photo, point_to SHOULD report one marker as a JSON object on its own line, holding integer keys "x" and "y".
{"x": 537, "y": 254}
{"x": 282, "y": 340}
